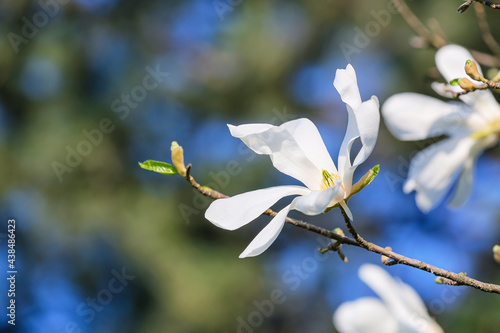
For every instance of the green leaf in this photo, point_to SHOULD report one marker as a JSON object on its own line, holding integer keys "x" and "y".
{"x": 455, "y": 82}
{"x": 160, "y": 167}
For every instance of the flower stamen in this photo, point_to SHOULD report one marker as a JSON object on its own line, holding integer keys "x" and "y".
{"x": 329, "y": 180}
{"x": 492, "y": 128}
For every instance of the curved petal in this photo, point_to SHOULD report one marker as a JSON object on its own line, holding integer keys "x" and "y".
{"x": 248, "y": 129}
{"x": 234, "y": 212}
{"x": 433, "y": 170}
{"x": 343, "y": 204}
{"x": 450, "y": 60}
{"x": 351, "y": 134}
{"x": 368, "y": 120}
{"x": 464, "y": 185}
{"x": 363, "y": 121}
{"x": 410, "y": 116}
{"x": 346, "y": 84}
{"x": 442, "y": 89}
{"x": 267, "y": 236}
{"x": 317, "y": 201}
{"x": 402, "y": 300}
{"x": 364, "y": 315}
{"x": 307, "y": 136}
{"x": 396, "y": 295}
{"x": 295, "y": 148}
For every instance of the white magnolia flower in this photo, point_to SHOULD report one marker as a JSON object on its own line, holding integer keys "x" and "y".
{"x": 400, "y": 309}
{"x": 297, "y": 149}
{"x": 470, "y": 127}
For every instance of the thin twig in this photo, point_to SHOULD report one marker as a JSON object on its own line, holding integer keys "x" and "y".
{"x": 434, "y": 38}
{"x": 487, "y": 85}
{"x": 463, "y": 7}
{"x": 458, "y": 279}
{"x": 413, "y": 21}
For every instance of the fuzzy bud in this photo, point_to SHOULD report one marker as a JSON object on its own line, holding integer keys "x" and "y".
{"x": 496, "y": 253}
{"x": 178, "y": 158}
{"x": 386, "y": 259}
{"x": 472, "y": 71}
{"x": 464, "y": 83}
{"x": 338, "y": 231}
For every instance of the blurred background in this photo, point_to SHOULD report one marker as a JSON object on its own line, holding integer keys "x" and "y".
{"x": 88, "y": 88}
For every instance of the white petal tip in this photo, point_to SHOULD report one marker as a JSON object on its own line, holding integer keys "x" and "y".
{"x": 375, "y": 99}
{"x": 347, "y": 210}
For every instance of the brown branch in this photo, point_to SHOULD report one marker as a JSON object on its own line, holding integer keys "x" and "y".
{"x": 413, "y": 21}
{"x": 454, "y": 278}
{"x": 488, "y": 84}
{"x": 485, "y": 29}
{"x": 436, "y": 36}
{"x": 463, "y": 7}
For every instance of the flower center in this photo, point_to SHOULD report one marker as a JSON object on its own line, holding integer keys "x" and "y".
{"x": 329, "y": 180}
{"x": 493, "y": 127}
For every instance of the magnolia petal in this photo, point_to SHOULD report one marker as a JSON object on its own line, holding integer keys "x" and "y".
{"x": 309, "y": 139}
{"x": 295, "y": 148}
{"x": 267, "y": 236}
{"x": 364, "y": 315}
{"x": 343, "y": 204}
{"x": 397, "y": 295}
{"x": 442, "y": 89}
{"x": 248, "y": 129}
{"x": 450, "y": 60}
{"x": 234, "y": 212}
{"x": 346, "y": 84}
{"x": 368, "y": 120}
{"x": 464, "y": 185}
{"x": 351, "y": 134}
{"x": 433, "y": 170}
{"x": 402, "y": 301}
{"x": 317, "y": 201}
{"x": 410, "y": 116}
{"x": 363, "y": 122}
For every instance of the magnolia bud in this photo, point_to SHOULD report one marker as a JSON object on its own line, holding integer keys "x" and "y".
{"x": 365, "y": 180}
{"x": 178, "y": 158}
{"x": 442, "y": 280}
{"x": 464, "y": 83}
{"x": 385, "y": 259}
{"x": 472, "y": 71}
{"x": 338, "y": 231}
{"x": 496, "y": 253}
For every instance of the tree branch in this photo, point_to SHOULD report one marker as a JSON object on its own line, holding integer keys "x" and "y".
{"x": 413, "y": 21}
{"x": 450, "y": 277}
{"x": 485, "y": 29}
{"x": 463, "y": 7}
{"x": 436, "y": 39}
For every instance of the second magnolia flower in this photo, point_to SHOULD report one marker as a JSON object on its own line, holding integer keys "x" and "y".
{"x": 470, "y": 128}
{"x": 297, "y": 149}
